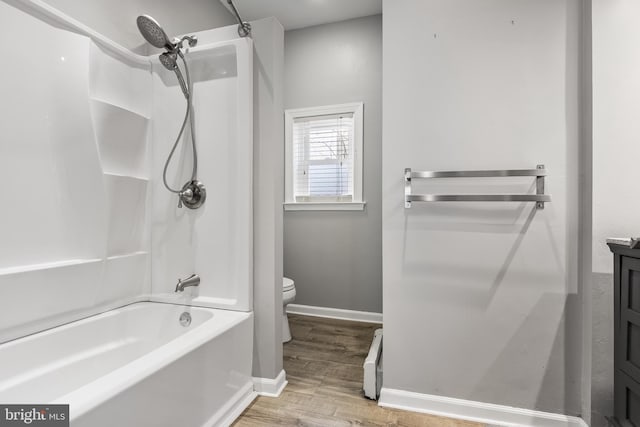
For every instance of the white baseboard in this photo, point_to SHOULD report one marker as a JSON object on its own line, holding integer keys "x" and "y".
{"x": 335, "y": 313}
{"x": 270, "y": 387}
{"x": 487, "y": 413}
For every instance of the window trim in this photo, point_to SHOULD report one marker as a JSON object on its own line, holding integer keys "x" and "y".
{"x": 355, "y": 108}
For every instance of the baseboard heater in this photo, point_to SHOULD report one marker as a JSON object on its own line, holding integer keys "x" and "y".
{"x": 373, "y": 368}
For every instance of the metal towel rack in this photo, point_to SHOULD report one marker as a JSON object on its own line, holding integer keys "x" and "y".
{"x": 539, "y": 198}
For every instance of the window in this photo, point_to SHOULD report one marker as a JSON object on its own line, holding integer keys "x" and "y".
{"x": 323, "y": 158}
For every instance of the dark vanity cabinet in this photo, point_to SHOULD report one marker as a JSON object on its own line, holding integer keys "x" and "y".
{"x": 627, "y": 335}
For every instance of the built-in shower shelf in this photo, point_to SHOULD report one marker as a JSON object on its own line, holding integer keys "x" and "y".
{"x": 141, "y": 179}
{"x": 6, "y": 271}
{"x": 129, "y": 255}
{"x": 119, "y": 107}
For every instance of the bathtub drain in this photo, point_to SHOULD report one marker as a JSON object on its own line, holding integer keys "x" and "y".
{"x": 185, "y": 319}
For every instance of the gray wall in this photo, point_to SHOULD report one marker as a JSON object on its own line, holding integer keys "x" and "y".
{"x": 482, "y": 300}
{"x": 116, "y": 19}
{"x": 268, "y": 196}
{"x": 335, "y": 258}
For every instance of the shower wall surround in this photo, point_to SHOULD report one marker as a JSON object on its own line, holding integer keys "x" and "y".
{"x": 74, "y": 169}
{"x": 76, "y": 149}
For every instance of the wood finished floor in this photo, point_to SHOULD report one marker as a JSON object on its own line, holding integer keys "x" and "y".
{"x": 323, "y": 363}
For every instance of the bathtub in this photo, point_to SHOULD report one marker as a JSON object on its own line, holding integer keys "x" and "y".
{"x": 137, "y": 366}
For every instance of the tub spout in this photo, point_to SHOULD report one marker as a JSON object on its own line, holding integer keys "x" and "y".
{"x": 193, "y": 280}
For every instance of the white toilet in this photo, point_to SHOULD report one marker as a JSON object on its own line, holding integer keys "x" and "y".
{"x": 288, "y": 295}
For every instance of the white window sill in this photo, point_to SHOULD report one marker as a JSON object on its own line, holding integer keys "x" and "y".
{"x": 324, "y": 206}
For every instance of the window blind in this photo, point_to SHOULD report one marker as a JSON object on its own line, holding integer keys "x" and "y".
{"x": 323, "y": 157}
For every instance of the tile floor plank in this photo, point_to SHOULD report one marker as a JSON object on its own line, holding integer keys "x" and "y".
{"x": 323, "y": 363}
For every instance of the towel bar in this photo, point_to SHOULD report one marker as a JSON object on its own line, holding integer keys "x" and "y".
{"x": 539, "y": 197}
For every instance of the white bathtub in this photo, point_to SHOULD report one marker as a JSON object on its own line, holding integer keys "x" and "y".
{"x": 137, "y": 366}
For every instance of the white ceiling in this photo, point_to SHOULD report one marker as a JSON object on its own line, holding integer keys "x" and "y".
{"x": 294, "y": 14}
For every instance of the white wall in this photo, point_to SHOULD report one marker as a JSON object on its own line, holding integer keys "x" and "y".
{"x": 335, "y": 258}
{"x": 616, "y": 103}
{"x": 117, "y": 19}
{"x": 481, "y": 300}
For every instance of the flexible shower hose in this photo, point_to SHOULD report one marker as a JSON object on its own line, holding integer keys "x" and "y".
{"x": 187, "y": 116}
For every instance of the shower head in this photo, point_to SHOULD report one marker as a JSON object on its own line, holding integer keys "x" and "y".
{"x": 169, "y": 61}
{"x": 153, "y": 32}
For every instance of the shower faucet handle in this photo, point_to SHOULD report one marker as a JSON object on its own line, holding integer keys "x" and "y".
{"x": 185, "y": 196}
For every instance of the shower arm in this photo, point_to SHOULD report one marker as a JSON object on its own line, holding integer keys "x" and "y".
{"x": 179, "y": 42}
{"x": 244, "y": 28}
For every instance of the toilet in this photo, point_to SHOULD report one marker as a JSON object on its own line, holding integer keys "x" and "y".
{"x": 288, "y": 295}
